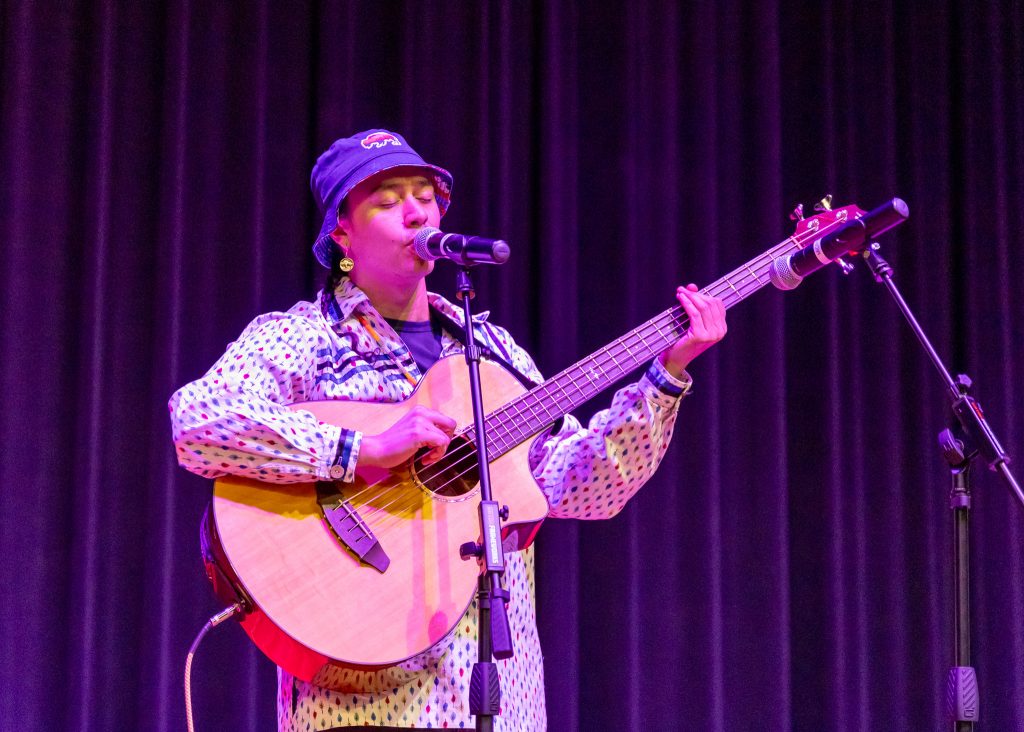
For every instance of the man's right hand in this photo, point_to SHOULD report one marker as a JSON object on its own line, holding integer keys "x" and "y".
{"x": 418, "y": 428}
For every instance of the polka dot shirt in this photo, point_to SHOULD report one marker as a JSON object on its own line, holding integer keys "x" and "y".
{"x": 234, "y": 420}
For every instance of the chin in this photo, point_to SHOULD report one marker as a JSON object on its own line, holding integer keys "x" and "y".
{"x": 424, "y": 266}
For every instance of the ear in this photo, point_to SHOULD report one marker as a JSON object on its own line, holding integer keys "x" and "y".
{"x": 339, "y": 234}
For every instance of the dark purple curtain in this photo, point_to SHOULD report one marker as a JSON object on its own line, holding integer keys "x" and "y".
{"x": 788, "y": 567}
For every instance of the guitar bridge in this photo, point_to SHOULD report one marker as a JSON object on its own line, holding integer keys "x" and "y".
{"x": 350, "y": 528}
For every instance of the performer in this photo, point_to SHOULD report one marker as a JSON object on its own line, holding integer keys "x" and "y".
{"x": 370, "y": 335}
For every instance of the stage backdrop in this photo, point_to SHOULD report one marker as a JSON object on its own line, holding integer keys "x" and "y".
{"x": 789, "y": 565}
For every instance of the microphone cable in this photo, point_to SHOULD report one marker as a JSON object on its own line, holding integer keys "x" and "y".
{"x": 212, "y": 622}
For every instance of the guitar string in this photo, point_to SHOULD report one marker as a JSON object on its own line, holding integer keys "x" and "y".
{"x": 609, "y": 353}
{"x": 447, "y": 464}
{"x": 405, "y": 503}
{"x": 722, "y": 286}
{"x": 678, "y": 320}
{"x": 401, "y": 503}
{"x": 677, "y": 317}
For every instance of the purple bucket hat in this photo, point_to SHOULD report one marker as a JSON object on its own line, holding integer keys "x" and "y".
{"x": 351, "y": 160}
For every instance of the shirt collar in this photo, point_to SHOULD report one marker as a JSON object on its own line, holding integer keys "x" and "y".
{"x": 348, "y": 297}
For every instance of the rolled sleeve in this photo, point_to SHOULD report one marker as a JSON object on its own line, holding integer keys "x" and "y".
{"x": 237, "y": 419}
{"x": 346, "y": 455}
{"x": 663, "y": 388}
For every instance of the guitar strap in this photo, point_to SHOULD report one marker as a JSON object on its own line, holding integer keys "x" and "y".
{"x": 459, "y": 333}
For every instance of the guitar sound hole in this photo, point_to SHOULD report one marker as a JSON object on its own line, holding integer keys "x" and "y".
{"x": 454, "y": 475}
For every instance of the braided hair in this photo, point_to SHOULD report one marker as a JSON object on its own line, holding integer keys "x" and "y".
{"x": 334, "y": 274}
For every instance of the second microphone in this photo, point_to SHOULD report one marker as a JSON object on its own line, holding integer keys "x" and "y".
{"x": 431, "y": 243}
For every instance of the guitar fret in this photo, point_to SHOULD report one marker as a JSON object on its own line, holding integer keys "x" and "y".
{"x": 512, "y": 433}
{"x": 574, "y": 382}
{"x": 598, "y": 375}
{"x": 534, "y": 403}
{"x": 643, "y": 340}
{"x": 516, "y": 427}
{"x": 500, "y": 432}
{"x": 629, "y": 351}
{"x": 558, "y": 383}
{"x": 503, "y": 430}
{"x": 548, "y": 388}
{"x": 587, "y": 373}
{"x": 494, "y": 434}
{"x": 613, "y": 357}
{"x": 657, "y": 328}
{"x": 519, "y": 404}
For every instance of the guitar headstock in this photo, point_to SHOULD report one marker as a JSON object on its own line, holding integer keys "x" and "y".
{"x": 826, "y": 220}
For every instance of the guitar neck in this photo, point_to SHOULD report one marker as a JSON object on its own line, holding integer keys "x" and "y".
{"x": 527, "y": 415}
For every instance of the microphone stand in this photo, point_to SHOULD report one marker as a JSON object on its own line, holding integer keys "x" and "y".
{"x": 493, "y": 635}
{"x": 970, "y": 436}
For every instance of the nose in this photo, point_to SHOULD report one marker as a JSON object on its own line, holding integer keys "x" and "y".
{"x": 415, "y": 212}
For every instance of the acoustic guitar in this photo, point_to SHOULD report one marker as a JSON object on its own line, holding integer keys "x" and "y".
{"x": 313, "y": 562}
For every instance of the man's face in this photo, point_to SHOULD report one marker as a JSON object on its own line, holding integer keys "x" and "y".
{"x": 382, "y": 215}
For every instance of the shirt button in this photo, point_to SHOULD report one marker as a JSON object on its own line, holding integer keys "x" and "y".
{"x": 337, "y": 472}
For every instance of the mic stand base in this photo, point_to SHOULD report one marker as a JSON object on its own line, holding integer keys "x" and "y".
{"x": 962, "y": 698}
{"x": 484, "y": 683}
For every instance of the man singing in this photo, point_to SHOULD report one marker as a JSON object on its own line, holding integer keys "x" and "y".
{"x": 370, "y": 335}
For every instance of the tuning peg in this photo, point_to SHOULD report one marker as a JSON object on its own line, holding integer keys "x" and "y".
{"x": 797, "y": 214}
{"x": 824, "y": 204}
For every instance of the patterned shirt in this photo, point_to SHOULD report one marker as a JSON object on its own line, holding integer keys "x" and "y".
{"x": 234, "y": 420}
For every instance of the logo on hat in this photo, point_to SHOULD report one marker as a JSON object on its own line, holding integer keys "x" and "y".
{"x": 379, "y": 139}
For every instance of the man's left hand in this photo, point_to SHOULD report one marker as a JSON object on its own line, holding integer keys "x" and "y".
{"x": 707, "y": 327}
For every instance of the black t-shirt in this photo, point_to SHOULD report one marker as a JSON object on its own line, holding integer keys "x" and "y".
{"x": 422, "y": 338}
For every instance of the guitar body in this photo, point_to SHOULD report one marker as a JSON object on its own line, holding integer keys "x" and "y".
{"x": 314, "y": 606}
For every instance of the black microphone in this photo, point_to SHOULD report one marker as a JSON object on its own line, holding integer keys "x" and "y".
{"x": 431, "y": 243}
{"x": 787, "y": 272}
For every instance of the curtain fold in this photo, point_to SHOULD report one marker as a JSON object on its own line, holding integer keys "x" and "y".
{"x": 789, "y": 566}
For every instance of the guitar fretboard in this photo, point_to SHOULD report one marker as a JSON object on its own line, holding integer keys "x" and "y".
{"x": 529, "y": 414}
